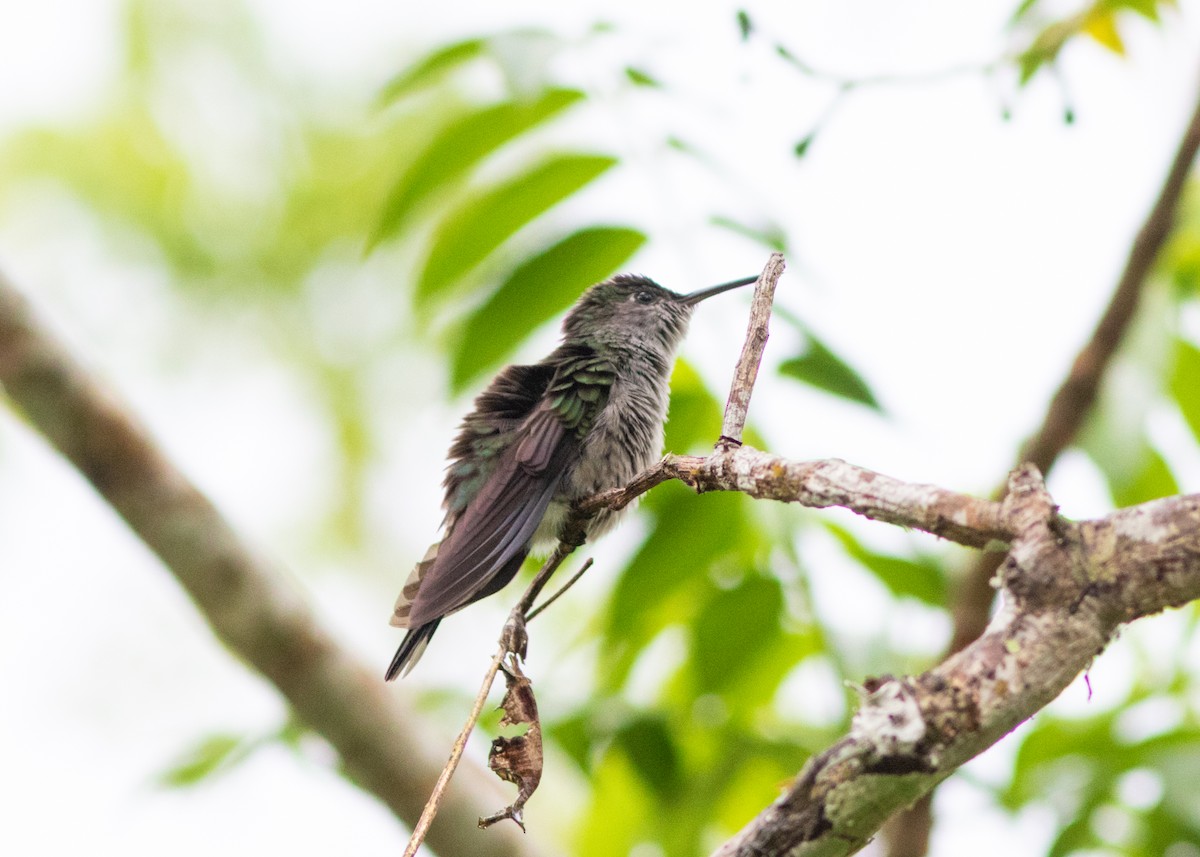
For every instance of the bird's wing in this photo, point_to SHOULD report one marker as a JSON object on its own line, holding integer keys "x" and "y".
{"x": 498, "y": 524}
{"x": 499, "y": 412}
{"x": 492, "y": 533}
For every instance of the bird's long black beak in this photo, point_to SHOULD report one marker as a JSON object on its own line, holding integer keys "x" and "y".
{"x": 694, "y": 298}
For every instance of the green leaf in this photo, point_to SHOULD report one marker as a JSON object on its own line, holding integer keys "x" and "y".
{"x": 640, "y": 78}
{"x": 785, "y": 54}
{"x": 431, "y": 68}
{"x": 1074, "y": 837}
{"x": 801, "y": 148}
{"x": 1148, "y": 9}
{"x": 1134, "y": 470}
{"x": 1081, "y": 762}
{"x": 473, "y": 231}
{"x": 573, "y": 735}
{"x": 745, "y": 25}
{"x": 1152, "y": 481}
{"x": 650, "y": 747}
{"x": 1166, "y": 826}
{"x": 923, "y": 579}
{"x": 733, "y": 630}
{"x": 617, "y": 793}
{"x": 460, "y": 146}
{"x": 1102, "y": 26}
{"x": 203, "y": 760}
{"x": 1022, "y": 10}
{"x": 1049, "y": 42}
{"x": 1056, "y": 751}
{"x": 667, "y": 578}
{"x": 536, "y": 291}
{"x": 821, "y": 368}
{"x": 1185, "y": 384}
{"x": 681, "y": 145}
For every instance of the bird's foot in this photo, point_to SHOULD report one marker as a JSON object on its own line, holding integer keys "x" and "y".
{"x": 514, "y": 638}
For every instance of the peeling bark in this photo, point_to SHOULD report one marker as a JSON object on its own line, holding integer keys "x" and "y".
{"x": 1066, "y": 588}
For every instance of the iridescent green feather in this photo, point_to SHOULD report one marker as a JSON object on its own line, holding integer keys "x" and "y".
{"x": 580, "y": 390}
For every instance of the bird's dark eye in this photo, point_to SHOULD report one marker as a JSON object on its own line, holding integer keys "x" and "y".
{"x": 644, "y": 296}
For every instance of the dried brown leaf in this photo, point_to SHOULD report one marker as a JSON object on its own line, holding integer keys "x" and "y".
{"x": 517, "y": 760}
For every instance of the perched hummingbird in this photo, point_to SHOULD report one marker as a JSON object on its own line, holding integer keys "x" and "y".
{"x": 587, "y": 418}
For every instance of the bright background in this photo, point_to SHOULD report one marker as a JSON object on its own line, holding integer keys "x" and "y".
{"x": 955, "y": 256}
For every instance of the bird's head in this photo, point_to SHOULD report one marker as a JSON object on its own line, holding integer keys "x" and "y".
{"x": 632, "y": 311}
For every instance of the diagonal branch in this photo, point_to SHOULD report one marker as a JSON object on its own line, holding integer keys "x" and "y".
{"x": 248, "y": 602}
{"x": 1070, "y": 406}
{"x": 1072, "y": 402}
{"x": 1068, "y": 587}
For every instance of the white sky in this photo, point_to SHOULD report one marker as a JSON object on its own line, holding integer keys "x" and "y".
{"x": 959, "y": 260}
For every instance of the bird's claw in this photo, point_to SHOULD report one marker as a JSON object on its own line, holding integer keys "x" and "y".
{"x": 514, "y": 638}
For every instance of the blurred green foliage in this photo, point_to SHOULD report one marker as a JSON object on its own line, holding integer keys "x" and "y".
{"x": 1038, "y": 23}
{"x": 454, "y": 187}
{"x": 1122, "y": 781}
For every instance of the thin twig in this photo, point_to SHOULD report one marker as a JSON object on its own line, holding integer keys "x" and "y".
{"x": 917, "y": 78}
{"x": 561, "y": 591}
{"x": 746, "y": 372}
{"x": 571, "y": 539}
{"x": 460, "y": 744}
{"x": 512, "y": 641}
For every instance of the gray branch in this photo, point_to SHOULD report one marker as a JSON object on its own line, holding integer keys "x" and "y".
{"x": 251, "y": 606}
{"x": 1066, "y": 588}
{"x": 745, "y": 373}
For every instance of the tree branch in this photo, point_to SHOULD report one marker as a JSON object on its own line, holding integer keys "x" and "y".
{"x": 1072, "y": 403}
{"x": 1070, "y": 406}
{"x": 1068, "y": 586}
{"x": 757, "y": 331}
{"x": 820, "y": 484}
{"x": 249, "y": 604}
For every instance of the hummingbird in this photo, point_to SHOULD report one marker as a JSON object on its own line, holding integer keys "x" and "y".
{"x": 587, "y": 418}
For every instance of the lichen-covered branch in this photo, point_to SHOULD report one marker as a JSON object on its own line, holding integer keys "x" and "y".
{"x": 250, "y": 605}
{"x": 1072, "y": 403}
{"x": 1067, "y": 587}
{"x": 1066, "y": 413}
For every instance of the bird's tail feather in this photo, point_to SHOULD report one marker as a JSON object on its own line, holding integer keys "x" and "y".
{"x": 411, "y": 648}
{"x": 404, "y": 602}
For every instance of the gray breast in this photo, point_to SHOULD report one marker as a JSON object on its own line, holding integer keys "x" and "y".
{"x": 626, "y": 438}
